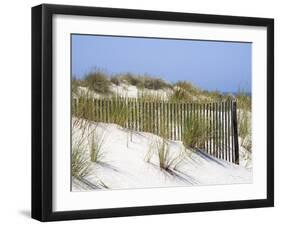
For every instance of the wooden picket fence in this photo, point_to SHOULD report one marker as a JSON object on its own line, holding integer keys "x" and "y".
{"x": 169, "y": 120}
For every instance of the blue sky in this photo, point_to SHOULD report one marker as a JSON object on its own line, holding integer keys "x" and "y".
{"x": 210, "y": 65}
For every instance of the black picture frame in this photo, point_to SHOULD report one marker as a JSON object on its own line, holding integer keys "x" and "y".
{"x": 42, "y": 111}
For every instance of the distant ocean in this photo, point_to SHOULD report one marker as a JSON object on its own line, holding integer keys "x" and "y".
{"x": 235, "y": 93}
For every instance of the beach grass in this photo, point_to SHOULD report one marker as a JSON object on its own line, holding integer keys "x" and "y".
{"x": 79, "y": 163}
{"x": 167, "y": 160}
{"x": 96, "y": 144}
{"x": 98, "y": 81}
{"x": 194, "y": 133}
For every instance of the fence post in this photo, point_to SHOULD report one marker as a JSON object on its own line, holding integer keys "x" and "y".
{"x": 225, "y": 131}
{"x": 219, "y": 131}
{"x": 229, "y": 149}
{"x": 207, "y": 128}
{"x": 235, "y": 131}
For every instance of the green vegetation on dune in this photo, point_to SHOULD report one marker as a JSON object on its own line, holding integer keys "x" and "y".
{"x": 96, "y": 144}
{"x": 79, "y": 164}
{"x": 98, "y": 81}
{"x": 180, "y": 92}
{"x": 180, "y": 95}
{"x": 244, "y": 105}
{"x": 140, "y": 81}
{"x": 194, "y": 133}
{"x": 189, "y": 87}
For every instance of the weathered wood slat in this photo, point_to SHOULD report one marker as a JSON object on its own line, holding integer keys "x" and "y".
{"x": 217, "y": 130}
{"x": 225, "y": 131}
{"x": 232, "y": 135}
{"x": 229, "y": 132}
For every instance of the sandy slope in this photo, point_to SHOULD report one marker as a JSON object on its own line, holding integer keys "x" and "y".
{"x": 124, "y": 163}
{"x": 126, "y": 90}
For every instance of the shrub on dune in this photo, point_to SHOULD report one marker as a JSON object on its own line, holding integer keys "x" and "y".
{"x": 154, "y": 83}
{"x": 187, "y": 86}
{"x": 142, "y": 81}
{"x": 98, "y": 82}
{"x": 115, "y": 80}
{"x": 180, "y": 95}
{"x": 74, "y": 85}
{"x": 133, "y": 80}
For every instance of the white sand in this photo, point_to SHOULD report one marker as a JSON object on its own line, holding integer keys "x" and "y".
{"x": 126, "y": 90}
{"x": 123, "y": 164}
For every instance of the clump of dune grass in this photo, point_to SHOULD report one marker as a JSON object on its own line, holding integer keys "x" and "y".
{"x": 96, "y": 144}
{"x": 166, "y": 159}
{"x": 163, "y": 152}
{"x": 115, "y": 80}
{"x": 145, "y": 95}
{"x": 150, "y": 151}
{"x": 243, "y": 123}
{"x": 187, "y": 86}
{"x": 119, "y": 111}
{"x": 215, "y": 96}
{"x": 184, "y": 91}
{"x": 79, "y": 163}
{"x": 244, "y": 101}
{"x": 161, "y": 149}
{"x": 244, "y": 128}
{"x": 247, "y": 144}
{"x": 180, "y": 95}
{"x": 244, "y": 119}
{"x": 140, "y": 81}
{"x": 81, "y": 130}
{"x": 83, "y": 106}
{"x": 74, "y": 85}
{"x": 127, "y": 78}
{"x": 194, "y": 134}
{"x": 155, "y": 83}
{"x": 86, "y": 107}
{"x": 84, "y": 132}
{"x": 133, "y": 80}
{"x": 98, "y": 82}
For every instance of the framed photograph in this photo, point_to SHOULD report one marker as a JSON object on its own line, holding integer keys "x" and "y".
{"x": 140, "y": 112}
